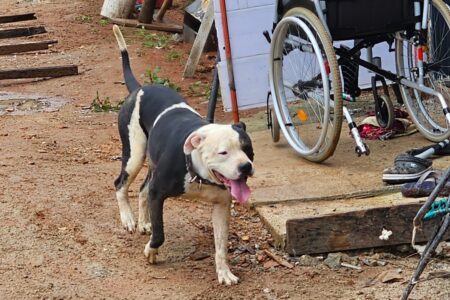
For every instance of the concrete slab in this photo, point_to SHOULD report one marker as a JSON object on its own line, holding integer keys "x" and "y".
{"x": 287, "y": 187}
{"x": 281, "y": 175}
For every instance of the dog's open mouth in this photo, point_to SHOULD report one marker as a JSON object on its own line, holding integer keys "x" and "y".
{"x": 238, "y": 187}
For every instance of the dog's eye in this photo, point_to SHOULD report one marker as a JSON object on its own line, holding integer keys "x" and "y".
{"x": 223, "y": 153}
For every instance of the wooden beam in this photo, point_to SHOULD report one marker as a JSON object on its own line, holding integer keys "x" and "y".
{"x": 18, "y": 32}
{"x": 17, "y": 18}
{"x": 25, "y": 47}
{"x": 154, "y": 26}
{"x": 55, "y": 71}
{"x": 200, "y": 41}
{"x": 354, "y": 230}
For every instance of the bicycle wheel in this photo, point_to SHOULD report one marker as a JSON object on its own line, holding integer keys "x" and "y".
{"x": 425, "y": 110}
{"x": 304, "y": 75}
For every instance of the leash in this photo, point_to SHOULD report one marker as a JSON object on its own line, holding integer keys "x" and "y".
{"x": 195, "y": 177}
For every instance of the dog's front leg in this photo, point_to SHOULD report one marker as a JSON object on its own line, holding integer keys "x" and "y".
{"x": 221, "y": 221}
{"x": 156, "y": 217}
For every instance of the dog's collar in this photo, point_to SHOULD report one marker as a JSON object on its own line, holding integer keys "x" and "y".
{"x": 195, "y": 177}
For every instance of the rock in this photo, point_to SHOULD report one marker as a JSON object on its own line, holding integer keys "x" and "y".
{"x": 353, "y": 260}
{"x": 245, "y": 238}
{"x": 390, "y": 277}
{"x": 381, "y": 263}
{"x": 369, "y": 262}
{"x": 260, "y": 258}
{"x": 235, "y": 260}
{"x": 266, "y": 290}
{"x": 199, "y": 256}
{"x": 270, "y": 264}
{"x": 307, "y": 261}
{"x": 37, "y": 261}
{"x": 333, "y": 261}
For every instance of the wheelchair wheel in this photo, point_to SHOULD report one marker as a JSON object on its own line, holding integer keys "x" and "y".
{"x": 304, "y": 76}
{"x": 386, "y": 114}
{"x": 426, "y": 110}
{"x": 275, "y": 127}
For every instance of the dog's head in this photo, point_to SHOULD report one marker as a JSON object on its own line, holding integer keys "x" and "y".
{"x": 223, "y": 154}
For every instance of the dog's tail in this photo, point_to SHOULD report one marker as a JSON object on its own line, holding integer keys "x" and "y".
{"x": 130, "y": 80}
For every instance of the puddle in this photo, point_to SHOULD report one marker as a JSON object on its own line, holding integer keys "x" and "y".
{"x": 27, "y": 104}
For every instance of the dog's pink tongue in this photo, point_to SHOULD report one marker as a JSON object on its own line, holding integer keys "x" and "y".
{"x": 240, "y": 190}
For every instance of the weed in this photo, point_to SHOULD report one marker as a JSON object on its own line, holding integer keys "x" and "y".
{"x": 153, "y": 78}
{"x": 174, "y": 55}
{"x": 103, "y": 22}
{"x": 102, "y": 105}
{"x": 199, "y": 89}
{"x": 84, "y": 19}
{"x": 153, "y": 40}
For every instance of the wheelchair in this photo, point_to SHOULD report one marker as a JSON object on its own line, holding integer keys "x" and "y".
{"x": 310, "y": 77}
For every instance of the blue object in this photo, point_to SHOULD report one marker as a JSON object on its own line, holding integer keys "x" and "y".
{"x": 438, "y": 208}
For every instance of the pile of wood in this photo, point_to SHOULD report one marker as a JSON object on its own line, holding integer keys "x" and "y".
{"x": 19, "y": 47}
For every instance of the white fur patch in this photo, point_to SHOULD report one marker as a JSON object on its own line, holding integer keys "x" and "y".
{"x": 175, "y": 106}
{"x": 138, "y": 140}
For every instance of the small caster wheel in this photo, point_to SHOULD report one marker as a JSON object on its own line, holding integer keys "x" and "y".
{"x": 275, "y": 127}
{"x": 385, "y": 113}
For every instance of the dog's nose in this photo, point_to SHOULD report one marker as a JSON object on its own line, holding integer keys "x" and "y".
{"x": 246, "y": 169}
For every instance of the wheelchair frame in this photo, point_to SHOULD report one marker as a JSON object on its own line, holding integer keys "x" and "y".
{"x": 352, "y": 55}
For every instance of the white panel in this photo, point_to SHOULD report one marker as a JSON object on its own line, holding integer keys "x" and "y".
{"x": 255, "y": 3}
{"x": 231, "y": 5}
{"x": 243, "y": 4}
{"x": 246, "y": 28}
{"x": 252, "y": 81}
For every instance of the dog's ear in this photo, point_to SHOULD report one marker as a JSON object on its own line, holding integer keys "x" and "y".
{"x": 193, "y": 141}
{"x": 241, "y": 125}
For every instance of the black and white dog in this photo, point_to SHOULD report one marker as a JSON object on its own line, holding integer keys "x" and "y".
{"x": 186, "y": 155}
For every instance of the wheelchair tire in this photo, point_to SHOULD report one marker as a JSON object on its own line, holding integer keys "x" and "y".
{"x": 304, "y": 76}
{"x": 425, "y": 110}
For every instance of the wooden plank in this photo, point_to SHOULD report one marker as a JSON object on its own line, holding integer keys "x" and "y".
{"x": 25, "y": 47}
{"x": 154, "y": 26}
{"x": 55, "y": 71}
{"x": 354, "y": 230}
{"x": 200, "y": 41}
{"x": 17, "y": 18}
{"x": 23, "y": 31}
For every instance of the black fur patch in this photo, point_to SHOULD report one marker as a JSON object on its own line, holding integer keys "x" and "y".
{"x": 244, "y": 139}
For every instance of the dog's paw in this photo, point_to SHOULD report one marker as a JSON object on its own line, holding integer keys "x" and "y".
{"x": 225, "y": 276}
{"x": 150, "y": 253}
{"x": 128, "y": 221}
{"x": 144, "y": 228}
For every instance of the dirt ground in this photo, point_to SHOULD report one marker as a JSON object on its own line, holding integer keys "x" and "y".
{"x": 60, "y": 234}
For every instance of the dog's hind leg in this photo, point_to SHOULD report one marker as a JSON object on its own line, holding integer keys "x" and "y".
{"x": 144, "y": 225}
{"x": 130, "y": 168}
{"x": 134, "y": 145}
